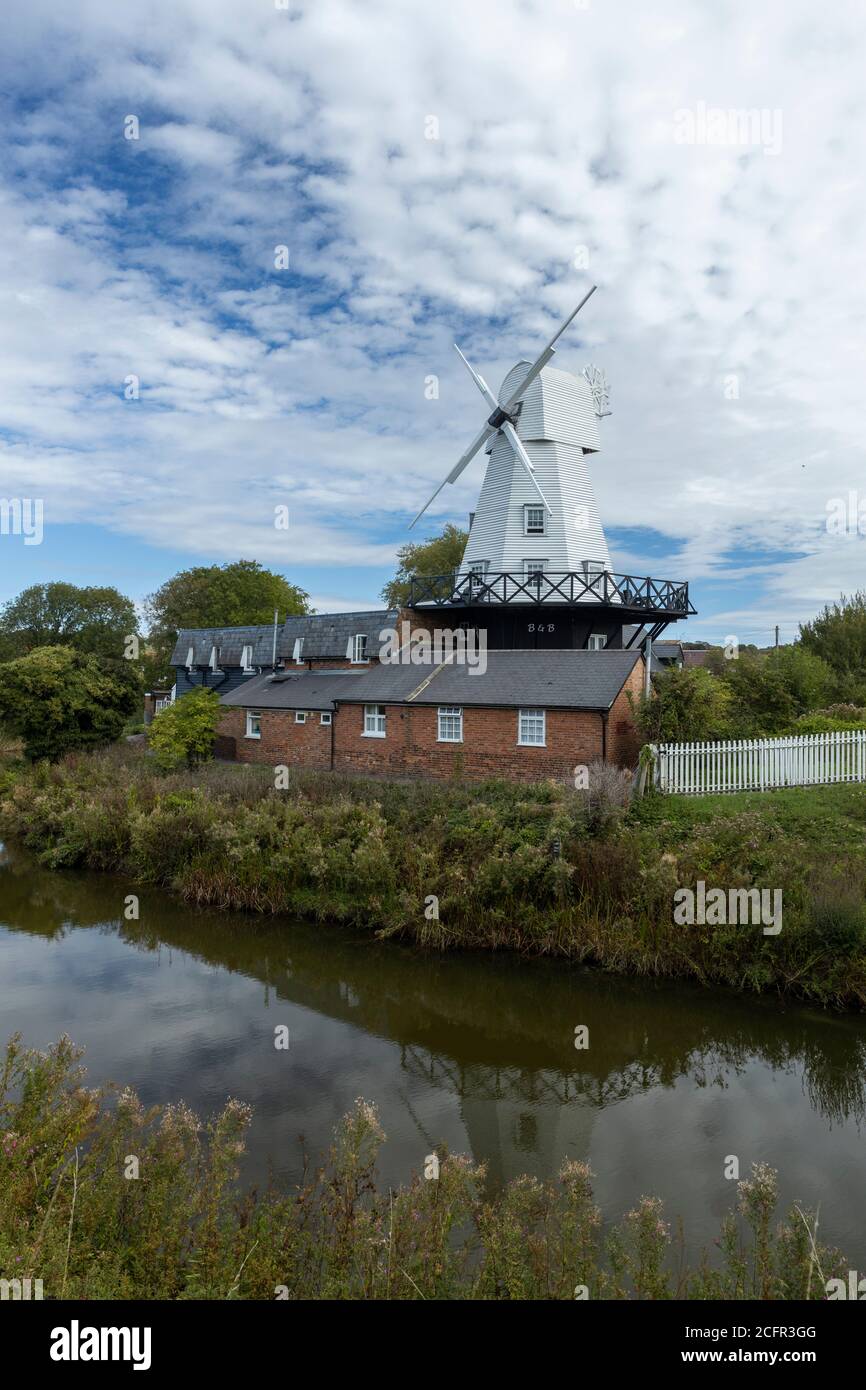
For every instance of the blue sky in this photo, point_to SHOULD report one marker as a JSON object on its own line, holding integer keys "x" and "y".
{"x": 435, "y": 173}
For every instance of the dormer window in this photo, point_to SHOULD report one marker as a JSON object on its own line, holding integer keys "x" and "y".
{"x": 359, "y": 648}
{"x": 214, "y": 658}
{"x": 190, "y": 659}
{"x": 247, "y": 658}
{"x": 534, "y": 520}
{"x": 298, "y": 650}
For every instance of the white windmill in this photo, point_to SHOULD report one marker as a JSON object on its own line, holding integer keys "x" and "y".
{"x": 536, "y": 511}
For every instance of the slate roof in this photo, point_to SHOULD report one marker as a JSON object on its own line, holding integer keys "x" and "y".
{"x": 326, "y": 635}
{"x": 292, "y": 690}
{"x": 231, "y": 642}
{"x": 513, "y": 679}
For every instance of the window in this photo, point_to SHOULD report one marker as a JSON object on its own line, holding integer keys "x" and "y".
{"x": 298, "y": 650}
{"x": 214, "y": 658}
{"x": 374, "y": 721}
{"x": 450, "y": 724}
{"x": 254, "y": 723}
{"x": 247, "y": 658}
{"x": 190, "y": 659}
{"x": 300, "y": 716}
{"x": 597, "y": 642}
{"x": 534, "y": 521}
{"x": 477, "y": 576}
{"x": 325, "y": 718}
{"x": 359, "y": 648}
{"x": 534, "y": 569}
{"x": 531, "y": 727}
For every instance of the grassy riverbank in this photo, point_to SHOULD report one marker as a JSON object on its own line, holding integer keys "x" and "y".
{"x": 540, "y": 869}
{"x": 107, "y": 1200}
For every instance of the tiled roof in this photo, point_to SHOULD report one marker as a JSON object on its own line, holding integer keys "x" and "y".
{"x": 326, "y": 635}
{"x": 522, "y": 679}
{"x": 292, "y": 690}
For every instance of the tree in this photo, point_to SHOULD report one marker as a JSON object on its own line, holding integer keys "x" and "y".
{"x": 437, "y": 555}
{"x": 184, "y": 732}
{"x": 685, "y": 704}
{"x": 761, "y": 702}
{"x": 57, "y": 699}
{"x": 230, "y": 595}
{"x": 93, "y": 619}
{"x": 838, "y": 636}
{"x": 807, "y": 676}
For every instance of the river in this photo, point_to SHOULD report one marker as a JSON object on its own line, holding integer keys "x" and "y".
{"x": 474, "y": 1050}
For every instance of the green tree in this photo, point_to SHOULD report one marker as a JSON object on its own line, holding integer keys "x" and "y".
{"x": 57, "y": 699}
{"x": 838, "y": 636}
{"x": 808, "y": 678}
{"x": 92, "y": 619}
{"x": 437, "y": 555}
{"x": 761, "y": 702}
{"x": 184, "y": 732}
{"x": 230, "y": 595}
{"x": 685, "y": 704}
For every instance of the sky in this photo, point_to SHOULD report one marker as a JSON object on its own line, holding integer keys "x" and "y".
{"x": 170, "y": 387}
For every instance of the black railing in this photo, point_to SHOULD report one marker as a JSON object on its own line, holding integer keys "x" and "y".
{"x": 638, "y": 594}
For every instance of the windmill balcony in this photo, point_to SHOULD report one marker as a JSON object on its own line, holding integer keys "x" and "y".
{"x": 630, "y": 594}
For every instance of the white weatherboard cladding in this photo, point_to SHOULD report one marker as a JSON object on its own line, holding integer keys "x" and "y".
{"x": 557, "y": 422}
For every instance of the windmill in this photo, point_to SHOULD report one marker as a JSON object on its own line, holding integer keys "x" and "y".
{"x": 536, "y": 511}
{"x": 503, "y": 415}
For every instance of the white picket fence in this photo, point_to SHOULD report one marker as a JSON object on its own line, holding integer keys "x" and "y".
{"x": 744, "y": 764}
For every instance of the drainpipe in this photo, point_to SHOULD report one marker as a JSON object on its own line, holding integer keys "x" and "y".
{"x": 604, "y": 718}
{"x": 333, "y": 727}
{"x": 648, "y": 657}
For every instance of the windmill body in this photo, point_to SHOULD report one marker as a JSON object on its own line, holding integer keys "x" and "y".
{"x": 558, "y": 427}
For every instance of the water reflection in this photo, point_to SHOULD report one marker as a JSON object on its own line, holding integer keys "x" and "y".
{"x": 476, "y": 1051}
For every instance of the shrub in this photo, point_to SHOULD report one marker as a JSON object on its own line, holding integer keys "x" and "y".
{"x": 57, "y": 699}
{"x": 184, "y": 732}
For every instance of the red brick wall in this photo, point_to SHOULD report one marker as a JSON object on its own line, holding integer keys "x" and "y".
{"x": 623, "y": 743}
{"x": 489, "y": 747}
{"x": 283, "y": 742}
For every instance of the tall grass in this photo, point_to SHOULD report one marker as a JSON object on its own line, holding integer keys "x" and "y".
{"x": 542, "y": 869}
{"x": 100, "y": 1198}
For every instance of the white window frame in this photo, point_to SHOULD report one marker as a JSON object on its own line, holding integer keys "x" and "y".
{"x": 359, "y": 649}
{"x": 300, "y": 716}
{"x": 596, "y": 642}
{"x": 298, "y": 651}
{"x": 535, "y": 565}
{"x": 534, "y": 531}
{"x": 527, "y": 717}
{"x": 375, "y": 718}
{"x": 247, "y": 659}
{"x": 446, "y": 716}
{"x": 477, "y": 570}
{"x": 190, "y": 658}
{"x": 251, "y": 732}
{"x": 215, "y": 658}
{"x": 325, "y": 718}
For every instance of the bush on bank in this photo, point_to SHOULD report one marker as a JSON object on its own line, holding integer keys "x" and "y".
{"x": 537, "y": 868}
{"x": 74, "y": 1215}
